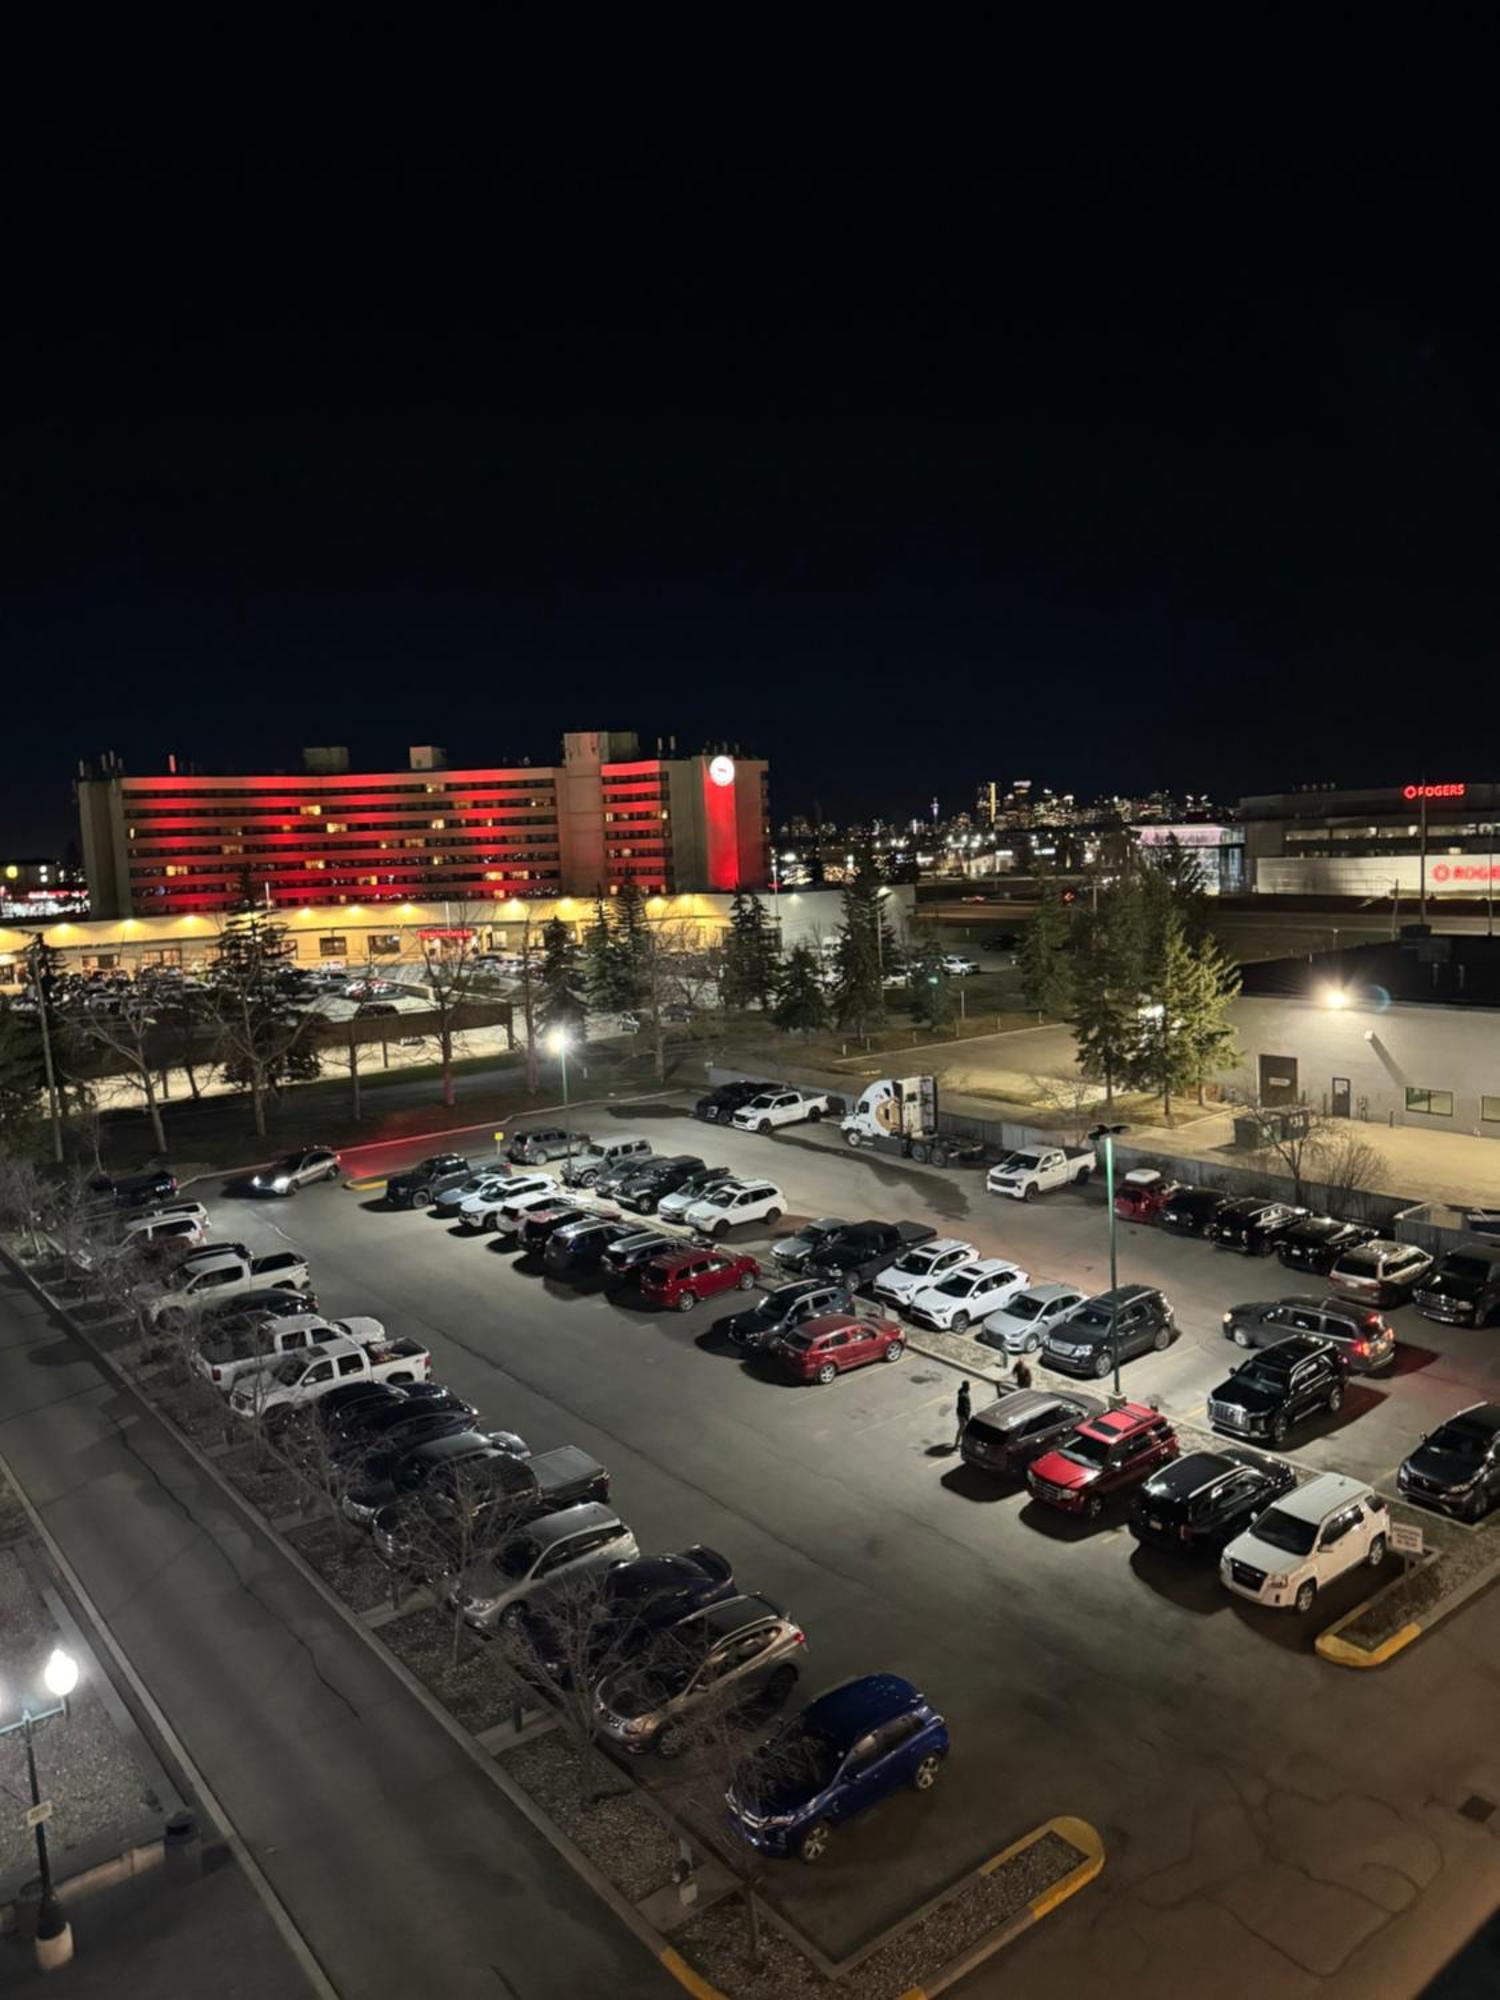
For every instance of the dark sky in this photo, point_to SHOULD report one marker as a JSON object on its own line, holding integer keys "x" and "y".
{"x": 1141, "y": 472}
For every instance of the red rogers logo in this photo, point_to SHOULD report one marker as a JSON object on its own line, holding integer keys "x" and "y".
{"x": 1444, "y": 871}
{"x": 1433, "y": 791}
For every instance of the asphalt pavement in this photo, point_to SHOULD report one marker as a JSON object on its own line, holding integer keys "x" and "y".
{"x": 1292, "y": 1826}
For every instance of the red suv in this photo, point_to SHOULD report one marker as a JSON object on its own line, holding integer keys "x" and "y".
{"x": 1143, "y": 1194}
{"x": 1109, "y": 1454}
{"x": 683, "y": 1278}
{"x": 825, "y": 1347}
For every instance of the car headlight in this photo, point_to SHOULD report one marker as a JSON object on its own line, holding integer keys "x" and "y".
{"x": 1278, "y": 1582}
{"x": 1228, "y": 1319}
{"x": 1466, "y": 1486}
{"x": 281, "y": 1183}
{"x": 639, "y": 1725}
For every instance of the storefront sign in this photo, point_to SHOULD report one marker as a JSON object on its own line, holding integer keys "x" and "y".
{"x": 1433, "y": 791}
{"x": 1453, "y": 871}
{"x": 445, "y": 936}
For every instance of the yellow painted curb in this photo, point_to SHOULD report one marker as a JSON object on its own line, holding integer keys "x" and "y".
{"x": 685, "y": 1976}
{"x": 364, "y": 1187}
{"x": 1329, "y": 1646}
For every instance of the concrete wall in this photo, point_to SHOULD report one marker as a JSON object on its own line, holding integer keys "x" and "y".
{"x": 1467, "y": 875}
{"x": 1383, "y": 1052}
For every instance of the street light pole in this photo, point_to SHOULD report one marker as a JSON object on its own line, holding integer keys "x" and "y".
{"x": 54, "y": 1934}
{"x": 1105, "y": 1135}
{"x": 54, "y": 1106}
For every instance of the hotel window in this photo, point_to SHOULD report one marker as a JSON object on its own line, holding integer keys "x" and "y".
{"x": 384, "y": 944}
{"x": 1431, "y": 1103}
{"x": 333, "y": 947}
{"x": 1489, "y": 1110}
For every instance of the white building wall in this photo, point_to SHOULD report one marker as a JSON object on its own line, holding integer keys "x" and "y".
{"x": 1384, "y": 1052}
{"x": 1471, "y": 875}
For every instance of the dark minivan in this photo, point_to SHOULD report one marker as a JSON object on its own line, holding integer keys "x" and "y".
{"x": 1007, "y": 1436}
{"x": 1191, "y": 1211}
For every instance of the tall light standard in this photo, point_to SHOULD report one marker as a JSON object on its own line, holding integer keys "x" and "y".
{"x": 54, "y": 1934}
{"x": 557, "y": 1041}
{"x": 1105, "y": 1135}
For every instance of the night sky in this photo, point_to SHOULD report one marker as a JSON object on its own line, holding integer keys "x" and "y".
{"x": 1143, "y": 473}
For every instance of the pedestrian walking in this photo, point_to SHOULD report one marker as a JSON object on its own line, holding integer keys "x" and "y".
{"x": 965, "y": 1405}
{"x": 1021, "y": 1374}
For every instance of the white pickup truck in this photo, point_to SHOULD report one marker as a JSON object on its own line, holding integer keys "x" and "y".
{"x": 302, "y": 1378}
{"x": 1023, "y": 1176}
{"x": 227, "y": 1353}
{"x": 202, "y": 1279}
{"x": 782, "y": 1106}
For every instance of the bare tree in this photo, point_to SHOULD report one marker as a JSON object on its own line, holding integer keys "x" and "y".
{"x": 450, "y": 974}
{"x": 676, "y": 975}
{"x": 563, "y": 1643}
{"x": 1291, "y": 1138}
{"x": 127, "y": 1030}
{"x": 1074, "y": 1099}
{"x": 454, "y": 1533}
{"x": 23, "y": 1198}
{"x": 1346, "y": 1163}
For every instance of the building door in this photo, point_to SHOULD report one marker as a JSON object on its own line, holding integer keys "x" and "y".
{"x": 1278, "y": 1079}
{"x": 1338, "y": 1097}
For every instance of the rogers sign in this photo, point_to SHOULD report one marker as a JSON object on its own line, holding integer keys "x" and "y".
{"x": 1447, "y": 871}
{"x": 1433, "y": 791}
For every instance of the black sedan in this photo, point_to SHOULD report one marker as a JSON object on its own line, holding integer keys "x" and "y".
{"x": 777, "y": 1311}
{"x": 1253, "y": 1225}
{"x": 1198, "y": 1504}
{"x": 1191, "y": 1211}
{"x": 1316, "y": 1242}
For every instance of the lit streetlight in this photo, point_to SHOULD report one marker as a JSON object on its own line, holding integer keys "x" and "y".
{"x": 1106, "y": 1135}
{"x": 54, "y": 1934}
{"x": 558, "y": 1040}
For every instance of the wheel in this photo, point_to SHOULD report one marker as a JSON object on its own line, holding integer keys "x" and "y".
{"x": 1093, "y": 1506}
{"x": 926, "y": 1774}
{"x": 1279, "y": 1428}
{"x": 1103, "y": 1366}
{"x": 779, "y": 1687}
{"x": 332, "y": 1174}
{"x": 1240, "y": 1337}
{"x": 1305, "y": 1596}
{"x": 938, "y": 1156}
{"x": 851, "y": 1138}
{"x": 587, "y": 1180}
{"x": 773, "y": 1215}
{"x": 815, "y": 1843}
{"x": 1163, "y": 1339}
{"x": 1085, "y": 1176}
{"x": 894, "y": 1351}
{"x": 513, "y": 1621}
{"x": 959, "y": 1323}
{"x": 1033, "y": 1344}
{"x": 1377, "y": 1552}
{"x": 764, "y": 1126}
{"x": 720, "y": 1229}
{"x": 686, "y": 1303}
{"x": 671, "y": 1741}
{"x": 815, "y": 1114}
{"x": 826, "y": 1373}
{"x": 1028, "y": 1193}
{"x": 747, "y": 1280}
{"x": 920, "y": 1153}
{"x": 1335, "y": 1399}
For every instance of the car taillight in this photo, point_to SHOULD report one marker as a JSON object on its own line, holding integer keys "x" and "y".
{"x": 216, "y": 1376}
{"x": 1184, "y": 1534}
{"x": 799, "y": 1638}
{"x": 1359, "y": 1347}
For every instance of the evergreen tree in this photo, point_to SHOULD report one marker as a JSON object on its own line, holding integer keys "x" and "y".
{"x": 801, "y": 1004}
{"x": 1108, "y": 990}
{"x": 560, "y": 1002}
{"x": 1180, "y": 872}
{"x": 750, "y": 969}
{"x": 258, "y": 1030}
{"x": 1166, "y": 1059}
{"x": 859, "y": 998}
{"x": 1208, "y": 1032}
{"x": 633, "y": 945}
{"x": 22, "y": 1081}
{"x": 606, "y": 976}
{"x": 1045, "y": 963}
{"x": 930, "y": 987}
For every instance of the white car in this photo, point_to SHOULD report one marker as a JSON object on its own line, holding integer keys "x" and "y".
{"x": 1018, "y": 1328}
{"x": 780, "y": 1107}
{"x": 956, "y": 966}
{"x": 1312, "y": 1535}
{"x": 914, "y": 1270}
{"x": 969, "y": 1292}
{"x": 726, "y": 1207}
{"x": 482, "y": 1211}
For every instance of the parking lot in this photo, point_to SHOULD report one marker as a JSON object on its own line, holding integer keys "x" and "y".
{"x": 1078, "y": 1673}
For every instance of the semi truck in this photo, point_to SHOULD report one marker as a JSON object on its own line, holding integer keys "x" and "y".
{"x": 899, "y": 1114}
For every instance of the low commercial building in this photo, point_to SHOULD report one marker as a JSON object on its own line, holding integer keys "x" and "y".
{"x": 1403, "y": 1033}
{"x": 1406, "y": 842}
{"x": 185, "y": 841}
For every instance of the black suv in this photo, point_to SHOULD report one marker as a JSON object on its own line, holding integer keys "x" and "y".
{"x": 643, "y": 1189}
{"x": 1464, "y": 1290}
{"x": 1317, "y": 1242}
{"x": 1084, "y": 1342}
{"x": 1358, "y": 1332}
{"x": 423, "y": 1183}
{"x": 1457, "y": 1468}
{"x": 132, "y": 1190}
{"x": 577, "y": 1248}
{"x": 1279, "y": 1387}
{"x": 1191, "y": 1211}
{"x": 629, "y": 1255}
{"x": 782, "y": 1308}
{"x": 1198, "y": 1504}
{"x": 537, "y": 1224}
{"x": 1253, "y": 1225}
{"x": 719, "y": 1106}
{"x": 1007, "y": 1436}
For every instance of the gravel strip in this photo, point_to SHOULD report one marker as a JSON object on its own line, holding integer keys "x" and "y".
{"x": 264, "y": 1483}
{"x": 100, "y": 1794}
{"x": 620, "y": 1834}
{"x": 979, "y": 1362}
{"x": 717, "y": 1944}
{"x": 479, "y": 1692}
{"x": 350, "y": 1565}
{"x": 1459, "y": 1559}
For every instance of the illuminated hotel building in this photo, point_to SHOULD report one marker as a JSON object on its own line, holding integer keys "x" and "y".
{"x": 185, "y": 841}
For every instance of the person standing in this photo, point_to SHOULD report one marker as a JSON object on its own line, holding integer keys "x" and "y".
{"x": 1021, "y": 1373}
{"x": 965, "y": 1406}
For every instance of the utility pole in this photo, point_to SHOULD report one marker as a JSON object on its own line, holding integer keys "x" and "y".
{"x": 1422, "y": 892}
{"x": 1106, "y": 1135}
{"x": 54, "y": 1103}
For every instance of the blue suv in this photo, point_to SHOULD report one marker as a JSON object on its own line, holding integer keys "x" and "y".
{"x": 845, "y": 1752}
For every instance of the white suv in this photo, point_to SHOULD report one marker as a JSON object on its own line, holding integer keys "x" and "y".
{"x": 1312, "y": 1535}
{"x": 723, "y": 1208}
{"x": 968, "y": 1293}
{"x": 914, "y": 1270}
{"x": 482, "y": 1211}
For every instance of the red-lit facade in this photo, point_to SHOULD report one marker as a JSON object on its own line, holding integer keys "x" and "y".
{"x": 182, "y": 843}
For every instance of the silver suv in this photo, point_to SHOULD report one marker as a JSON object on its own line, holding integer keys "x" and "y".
{"x": 540, "y": 1143}
{"x": 583, "y": 1169}
{"x": 743, "y": 1653}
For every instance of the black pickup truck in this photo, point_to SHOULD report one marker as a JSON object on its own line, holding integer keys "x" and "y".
{"x": 862, "y": 1250}
{"x": 421, "y": 1185}
{"x": 1465, "y": 1288}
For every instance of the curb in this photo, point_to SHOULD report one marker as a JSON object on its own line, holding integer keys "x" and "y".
{"x": 1343, "y": 1653}
{"x": 692, "y": 1982}
{"x": 1078, "y": 1833}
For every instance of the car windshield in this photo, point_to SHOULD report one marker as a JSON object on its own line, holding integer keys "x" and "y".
{"x": 1285, "y": 1531}
{"x": 1026, "y": 1306}
{"x": 915, "y": 1262}
{"x": 1460, "y": 1441}
{"x": 1090, "y": 1318}
{"x": 959, "y": 1285}
{"x": 802, "y": 1340}
{"x": 1467, "y": 1267}
{"x": 290, "y": 1369}
{"x": 1263, "y": 1373}
{"x": 1022, "y": 1160}
{"x": 1364, "y": 1262}
{"x": 1086, "y": 1450}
